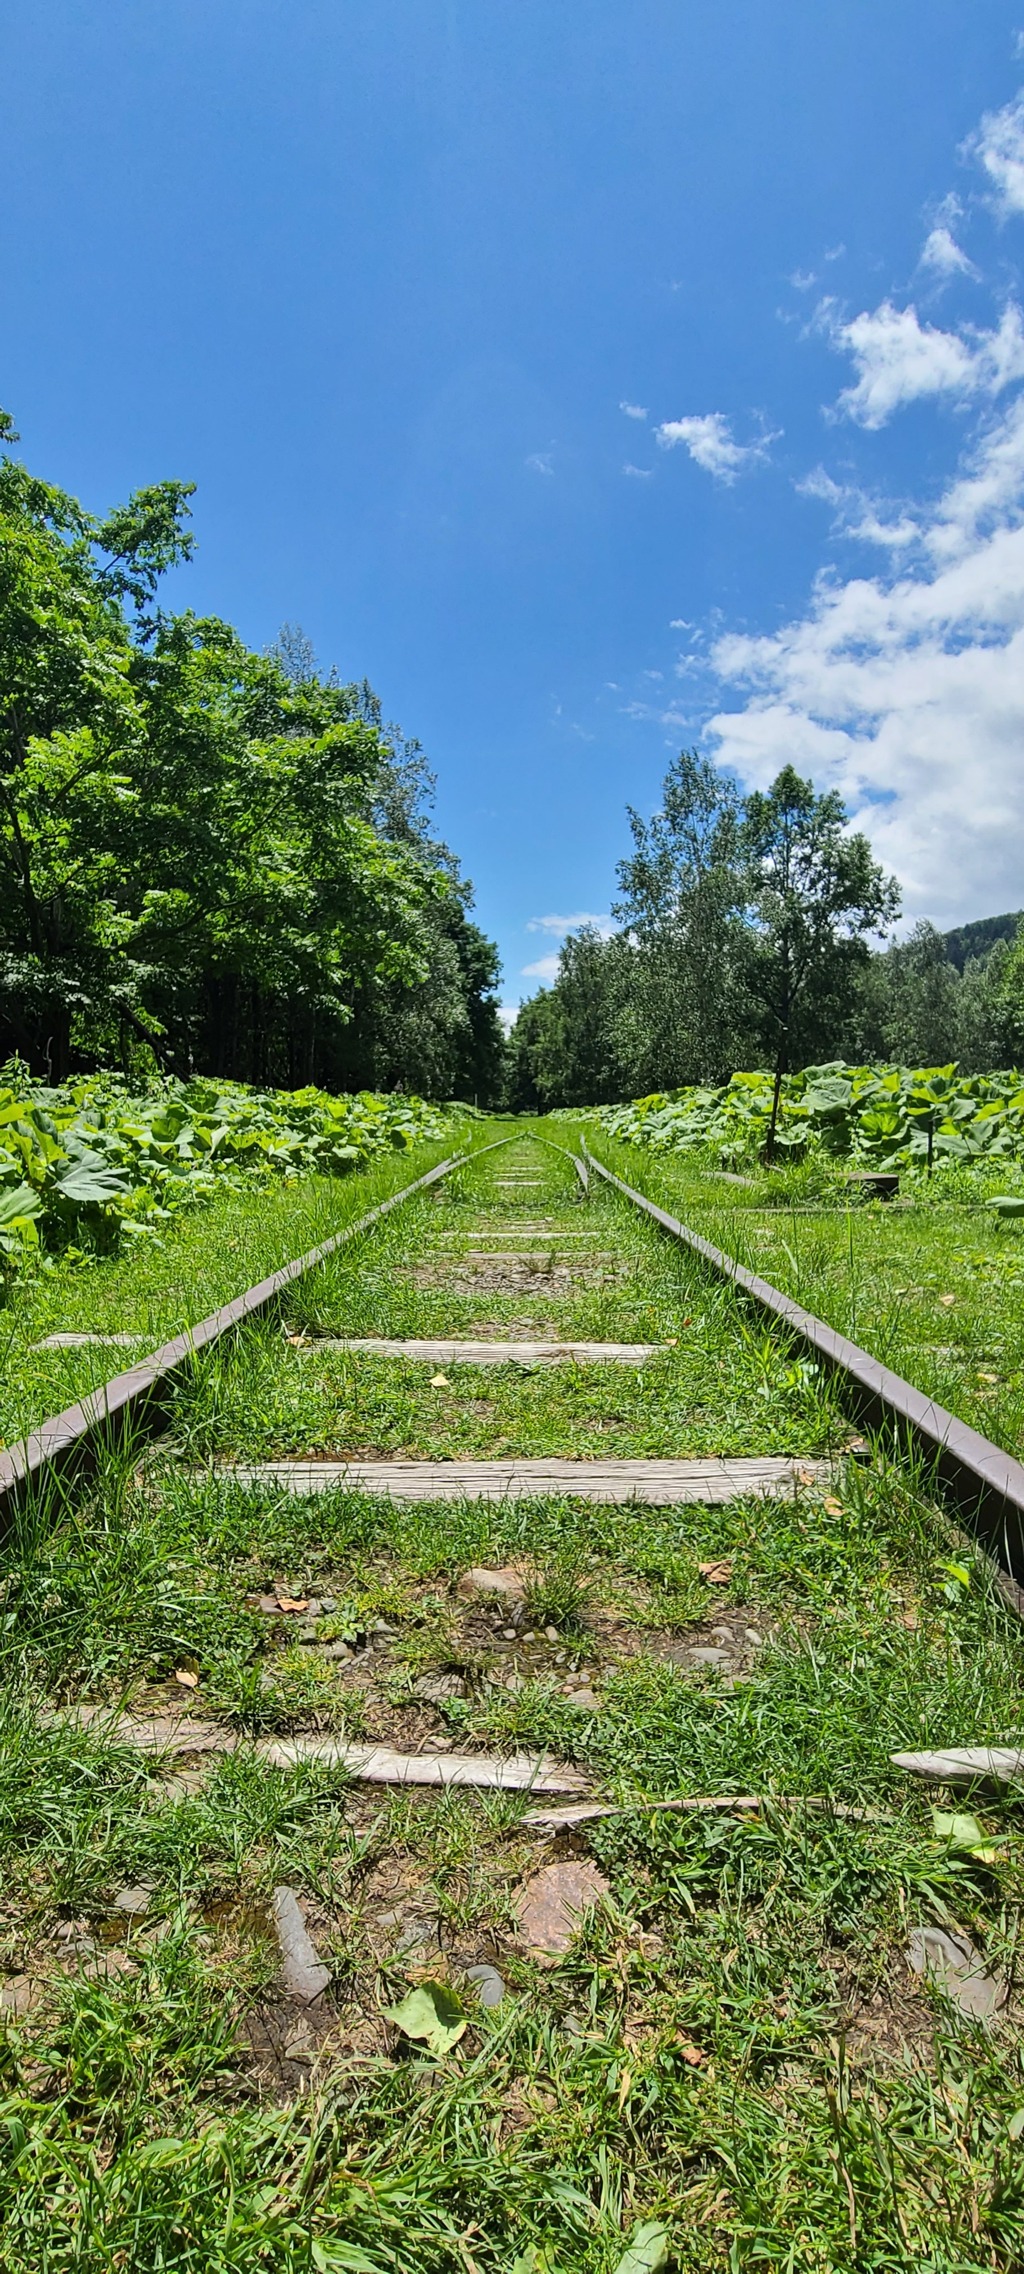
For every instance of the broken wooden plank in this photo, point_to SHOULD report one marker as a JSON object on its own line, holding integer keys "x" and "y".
{"x": 747, "y": 1803}
{"x": 377, "y": 1764}
{"x": 964, "y": 1764}
{"x": 176, "y": 1734}
{"x": 92, "y": 1341}
{"x": 466, "y": 1353}
{"x": 653, "y": 1484}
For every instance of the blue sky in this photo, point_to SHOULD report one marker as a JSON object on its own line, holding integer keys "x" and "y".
{"x": 593, "y": 378}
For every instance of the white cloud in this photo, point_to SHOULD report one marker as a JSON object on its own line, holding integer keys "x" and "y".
{"x": 856, "y": 514}
{"x": 999, "y": 147}
{"x": 633, "y": 410}
{"x": 802, "y": 279}
{"x": 907, "y": 693}
{"x": 942, "y": 253}
{"x": 559, "y": 926}
{"x": 639, "y": 473}
{"x": 710, "y": 442}
{"x": 508, "y": 1014}
{"x": 899, "y": 360}
{"x": 540, "y": 462}
{"x": 546, "y": 967}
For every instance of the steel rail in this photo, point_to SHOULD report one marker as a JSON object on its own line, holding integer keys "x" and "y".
{"x": 982, "y": 1481}
{"x": 68, "y": 1445}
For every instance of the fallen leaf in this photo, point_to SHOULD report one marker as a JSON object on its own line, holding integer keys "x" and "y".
{"x": 648, "y": 2250}
{"x": 188, "y": 1681}
{"x": 625, "y": 2088}
{"x": 689, "y": 2053}
{"x": 911, "y": 1621}
{"x": 293, "y": 1602}
{"x": 439, "y": 1382}
{"x": 832, "y": 1507}
{"x": 717, "y": 1574}
{"x": 430, "y": 2015}
{"x": 946, "y": 1300}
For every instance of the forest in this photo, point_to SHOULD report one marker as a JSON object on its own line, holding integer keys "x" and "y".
{"x": 752, "y": 932}
{"x": 211, "y": 860}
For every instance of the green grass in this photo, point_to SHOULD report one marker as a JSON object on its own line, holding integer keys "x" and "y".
{"x": 158, "y": 1287}
{"x": 933, "y": 1285}
{"x": 733, "y": 2045}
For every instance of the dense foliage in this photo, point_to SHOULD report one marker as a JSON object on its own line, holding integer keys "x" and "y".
{"x": 213, "y": 858}
{"x": 886, "y": 1117}
{"x": 90, "y": 1160}
{"x": 745, "y": 936}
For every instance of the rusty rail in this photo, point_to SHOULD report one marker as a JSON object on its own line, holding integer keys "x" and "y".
{"x": 983, "y": 1483}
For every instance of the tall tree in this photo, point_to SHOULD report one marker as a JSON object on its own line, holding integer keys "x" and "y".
{"x": 680, "y": 903}
{"x": 815, "y": 893}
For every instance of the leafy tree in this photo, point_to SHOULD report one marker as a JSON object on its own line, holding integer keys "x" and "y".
{"x": 814, "y": 894}
{"x": 681, "y": 906}
{"x": 224, "y": 856}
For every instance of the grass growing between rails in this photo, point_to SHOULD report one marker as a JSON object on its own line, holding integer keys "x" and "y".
{"x": 932, "y": 1283}
{"x": 154, "y": 1290}
{"x": 732, "y": 2056}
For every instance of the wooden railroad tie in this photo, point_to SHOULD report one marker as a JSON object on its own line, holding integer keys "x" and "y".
{"x": 652, "y": 1484}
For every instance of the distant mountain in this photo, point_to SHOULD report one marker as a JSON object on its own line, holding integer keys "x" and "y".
{"x": 976, "y": 939}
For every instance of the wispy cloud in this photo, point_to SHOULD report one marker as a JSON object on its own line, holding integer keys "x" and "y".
{"x": 943, "y": 255}
{"x": 560, "y": 926}
{"x": 858, "y": 515}
{"x": 546, "y": 967}
{"x": 899, "y": 360}
{"x": 711, "y": 444}
{"x": 639, "y": 473}
{"x": 540, "y": 462}
{"x": 999, "y": 148}
{"x": 802, "y": 279}
{"x": 633, "y": 410}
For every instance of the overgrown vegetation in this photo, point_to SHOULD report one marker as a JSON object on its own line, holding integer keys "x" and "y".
{"x": 210, "y": 858}
{"x": 882, "y": 1117}
{"x": 732, "y": 2066}
{"x": 87, "y": 1163}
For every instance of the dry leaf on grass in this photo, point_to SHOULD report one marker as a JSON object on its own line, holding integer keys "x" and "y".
{"x": 946, "y": 1300}
{"x": 439, "y": 1382}
{"x": 690, "y": 2053}
{"x": 188, "y": 1681}
{"x": 832, "y": 1506}
{"x": 293, "y": 1602}
{"x": 718, "y": 1573}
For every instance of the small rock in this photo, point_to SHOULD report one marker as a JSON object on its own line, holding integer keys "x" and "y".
{"x": 583, "y": 1700}
{"x": 18, "y": 1994}
{"x": 299, "y": 2046}
{"x": 508, "y": 1634}
{"x": 490, "y": 1988}
{"x": 530, "y": 1636}
{"x": 515, "y": 1683}
{"x": 551, "y": 1634}
{"x": 435, "y": 1688}
{"x": 483, "y": 1581}
{"x": 301, "y": 1971}
{"x": 955, "y": 1965}
{"x": 336, "y": 1650}
{"x": 133, "y": 1900}
{"x": 549, "y": 1906}
{"x": 755, "y": 1640}
{"x": 328, "y": 1603}
{"x": 708, "y": 1655}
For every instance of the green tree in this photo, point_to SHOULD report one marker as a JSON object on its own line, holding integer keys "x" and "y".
{"x": 680, "y": 1019}
{"x": 814, "y": 894}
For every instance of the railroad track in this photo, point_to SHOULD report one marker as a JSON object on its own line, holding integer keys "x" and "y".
{"x": 450, "y": 1610}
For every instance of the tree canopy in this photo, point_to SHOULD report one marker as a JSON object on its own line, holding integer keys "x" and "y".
{"x": 217, "y": 856}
